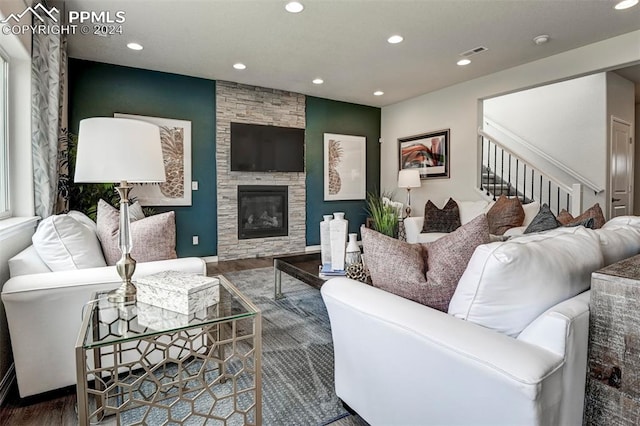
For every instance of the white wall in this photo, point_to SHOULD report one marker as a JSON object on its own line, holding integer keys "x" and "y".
{"x": 621, "y": 105}
{"x": 19, "y": 51}
{"x": 457, "y": 108}
{"x": 566, "y": 120}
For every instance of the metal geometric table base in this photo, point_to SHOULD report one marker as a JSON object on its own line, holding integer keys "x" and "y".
{"x": 207, "y": 374}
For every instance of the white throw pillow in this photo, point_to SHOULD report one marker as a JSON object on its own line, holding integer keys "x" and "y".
{"x": 83, "y": 219}
{"x": 65, "y": 244}
{"x": 623, "y": 220}
{"x": 509, "y": 284}
{"x": 618, "y": 242}
{"x": 469, "y": 210}
{"x": 530, "y": 211}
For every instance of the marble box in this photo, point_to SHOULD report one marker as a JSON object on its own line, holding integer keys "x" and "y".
{"x": 180, "y": 292}
{"x": 157, "y": 318}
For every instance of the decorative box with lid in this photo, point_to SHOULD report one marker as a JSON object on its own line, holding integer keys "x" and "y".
{"x": 178, "y": 291}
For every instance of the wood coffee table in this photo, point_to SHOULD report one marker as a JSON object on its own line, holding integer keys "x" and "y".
{"x": 304, "y": 267}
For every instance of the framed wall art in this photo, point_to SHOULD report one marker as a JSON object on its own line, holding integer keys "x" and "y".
{"x": 345, "y": 174}
{"x": 427, "y": 152}
{"x": 175, "y": 136}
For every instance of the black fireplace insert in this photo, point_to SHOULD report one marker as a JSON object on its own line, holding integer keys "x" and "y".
{"x": 263, "y": 211}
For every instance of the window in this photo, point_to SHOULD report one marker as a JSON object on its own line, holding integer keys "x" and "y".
{"x": 4, "y": 139}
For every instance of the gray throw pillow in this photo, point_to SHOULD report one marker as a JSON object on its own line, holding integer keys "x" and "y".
{"x": 544, "y": 221}
{"x": 587, "y": 223}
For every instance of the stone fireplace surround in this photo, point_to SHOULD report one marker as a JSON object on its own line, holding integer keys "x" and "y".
{"x": 257, "y": 105}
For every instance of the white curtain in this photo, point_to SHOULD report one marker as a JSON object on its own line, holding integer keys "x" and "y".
{"x": 49, "y": 122}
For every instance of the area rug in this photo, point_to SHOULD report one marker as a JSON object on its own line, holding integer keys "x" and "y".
{"x": 297, "y": 350}
{"x": 297, "y": 357}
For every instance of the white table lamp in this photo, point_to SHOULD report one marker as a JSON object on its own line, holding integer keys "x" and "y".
{"x": 120, "y": 150}
{"x": 408, "y": 179}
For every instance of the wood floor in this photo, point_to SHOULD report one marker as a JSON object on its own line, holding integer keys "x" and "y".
{"x": 58, "y": 408}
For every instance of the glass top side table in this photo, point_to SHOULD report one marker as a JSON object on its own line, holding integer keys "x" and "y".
{"x": 143, "y": 363}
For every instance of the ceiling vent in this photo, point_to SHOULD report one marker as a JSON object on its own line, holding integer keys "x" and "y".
{"x": 473, "y": 51}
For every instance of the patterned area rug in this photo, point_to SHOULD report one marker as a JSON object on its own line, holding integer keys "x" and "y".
{"x": 297, "y": 357}
{"x": 297, "y": 350}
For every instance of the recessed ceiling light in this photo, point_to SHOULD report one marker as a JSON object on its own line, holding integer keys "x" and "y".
{"x": 625, "y": 4}
{"x": 541, "y": 39}
{"x": 134, "y": 46}
{"x": 239, "y": 66}
{"x": 294, "y": 7}
{"x": 395, "y": 39}
{"x": 318, "y": 81}
{"x": 378, "y": 93}
{"x": 463, "y": 62}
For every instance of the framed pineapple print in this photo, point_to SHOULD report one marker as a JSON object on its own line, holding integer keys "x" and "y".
{"x": 175, "y": 136}
{"x": 345, "y": 173}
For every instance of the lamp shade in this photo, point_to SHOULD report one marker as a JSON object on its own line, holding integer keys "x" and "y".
{"x": 409, "y": 178}
{"x": 118, "y": 149}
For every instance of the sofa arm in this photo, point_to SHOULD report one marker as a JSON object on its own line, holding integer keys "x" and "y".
{"x": 564, "y": 330}
{"x": 399, "y": 362}
{"x": 90, "y": 276}
{"x": 44, "y": 312}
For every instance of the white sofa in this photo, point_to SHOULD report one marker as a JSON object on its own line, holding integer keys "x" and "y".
{"x": 511, "y": 351}
{"x": 469, "y": 210}
{"x": 44, "y": 313}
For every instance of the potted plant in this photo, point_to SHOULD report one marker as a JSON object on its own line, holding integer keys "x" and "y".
{"x": 384, "y": 216}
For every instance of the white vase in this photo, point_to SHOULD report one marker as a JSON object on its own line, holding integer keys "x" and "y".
{"x": 353, "y": 251}
{"x": 325, "y": 241}
{"x": 338, "y": 230}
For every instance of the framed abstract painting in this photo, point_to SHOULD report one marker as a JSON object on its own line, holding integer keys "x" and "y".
{"x": 427, "y": 152}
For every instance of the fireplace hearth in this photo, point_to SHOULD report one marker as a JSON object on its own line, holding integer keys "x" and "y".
{"x": 262, "y": 211}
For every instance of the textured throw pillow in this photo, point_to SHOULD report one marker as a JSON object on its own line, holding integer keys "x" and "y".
{"x": 594, "y": 212}
{"x": 447, "y": 258}
{"x": 154, "y": 237}
{"x": 446, "y": 219}
{"x": 395, "y": 266}
{"x": 504, "y": 214}
{"x": 544, "y": 221}
{"x": 65, "y": 244}
{"x": 401, "y": 268}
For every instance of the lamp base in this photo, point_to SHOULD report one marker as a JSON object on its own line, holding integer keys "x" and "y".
{"x": 124, "y": 294}
{"x": 125, "y": 266}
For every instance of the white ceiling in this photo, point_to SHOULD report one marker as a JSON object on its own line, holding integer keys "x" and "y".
{"x": 344, "y": 41}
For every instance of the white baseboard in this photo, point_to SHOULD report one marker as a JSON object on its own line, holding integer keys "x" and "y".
{"x": 6, "y": 383}
{"x": 312, "y": 249}
{"x": 210, "y": 259}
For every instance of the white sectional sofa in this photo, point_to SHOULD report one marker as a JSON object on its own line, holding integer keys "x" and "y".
{"x": 512, "y": 350}
{"x": 44, "y": 310}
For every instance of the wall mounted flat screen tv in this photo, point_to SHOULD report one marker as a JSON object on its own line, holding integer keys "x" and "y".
{"x": 259, "y": 148}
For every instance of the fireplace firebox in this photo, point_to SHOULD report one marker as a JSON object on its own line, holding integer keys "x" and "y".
{"x": 262, "y": 211}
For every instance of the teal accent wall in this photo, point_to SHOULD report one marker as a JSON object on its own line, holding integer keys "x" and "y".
{"x": 327, "y": 116}
{"x": 99, "y": 90}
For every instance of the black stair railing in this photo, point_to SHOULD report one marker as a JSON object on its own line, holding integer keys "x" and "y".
{"x": 502, "y": 172}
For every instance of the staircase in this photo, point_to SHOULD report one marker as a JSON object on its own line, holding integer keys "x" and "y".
{"x": 494, "y": 186}
{"x": 502, "y": 172}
